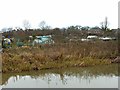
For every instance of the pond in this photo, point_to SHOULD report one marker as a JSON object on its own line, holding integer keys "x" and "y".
{"x": 105, "y": 76}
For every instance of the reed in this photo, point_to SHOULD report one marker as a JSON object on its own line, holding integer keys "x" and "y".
{"x": 59, "y": 55}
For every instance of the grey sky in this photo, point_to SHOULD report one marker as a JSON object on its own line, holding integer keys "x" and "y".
{"x": 58, "y": 13}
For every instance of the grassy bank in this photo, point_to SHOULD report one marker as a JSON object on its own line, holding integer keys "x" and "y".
{"x": 59, "y": 55}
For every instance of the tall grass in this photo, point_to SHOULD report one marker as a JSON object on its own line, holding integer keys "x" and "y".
{"x": 59, "y": 55}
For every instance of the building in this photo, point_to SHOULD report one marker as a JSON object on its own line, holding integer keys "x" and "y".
{"x": 95, "y": 32}
{"x": 43, "y": 40}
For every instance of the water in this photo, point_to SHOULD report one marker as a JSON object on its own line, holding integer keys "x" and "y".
{"x": 85, "y": 77}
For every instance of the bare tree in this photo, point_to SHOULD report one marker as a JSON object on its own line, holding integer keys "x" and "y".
{"x": 104, "y": 24}
{"x": 18, "y": 28}
{"x": 10, "y": 29}
{"x": 48, "y": 27}
{"x": 26, "y": 24}
{"x": 42, "y": 25}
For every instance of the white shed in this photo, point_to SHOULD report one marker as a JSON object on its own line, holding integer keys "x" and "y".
{"x": 92, "y": 37}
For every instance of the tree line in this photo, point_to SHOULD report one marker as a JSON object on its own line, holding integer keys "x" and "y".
{"x": 59, "y": 34}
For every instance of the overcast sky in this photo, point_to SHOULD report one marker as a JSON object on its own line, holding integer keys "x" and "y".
{"x": 58, "y": 13}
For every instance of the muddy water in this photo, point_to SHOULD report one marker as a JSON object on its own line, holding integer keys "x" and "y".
{"x": 83, "y": 77}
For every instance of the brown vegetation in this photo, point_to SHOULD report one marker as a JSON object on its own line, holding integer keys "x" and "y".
{"x": 72, "y": 54}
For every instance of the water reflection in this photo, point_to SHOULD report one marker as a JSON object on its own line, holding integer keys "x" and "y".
{"x": 98, "y": 76}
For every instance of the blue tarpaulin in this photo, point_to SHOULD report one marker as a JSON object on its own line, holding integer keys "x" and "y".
{"x": 43, "y": 40}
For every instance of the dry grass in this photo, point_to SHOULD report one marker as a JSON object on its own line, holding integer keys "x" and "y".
{"x": 58, "y": 56}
